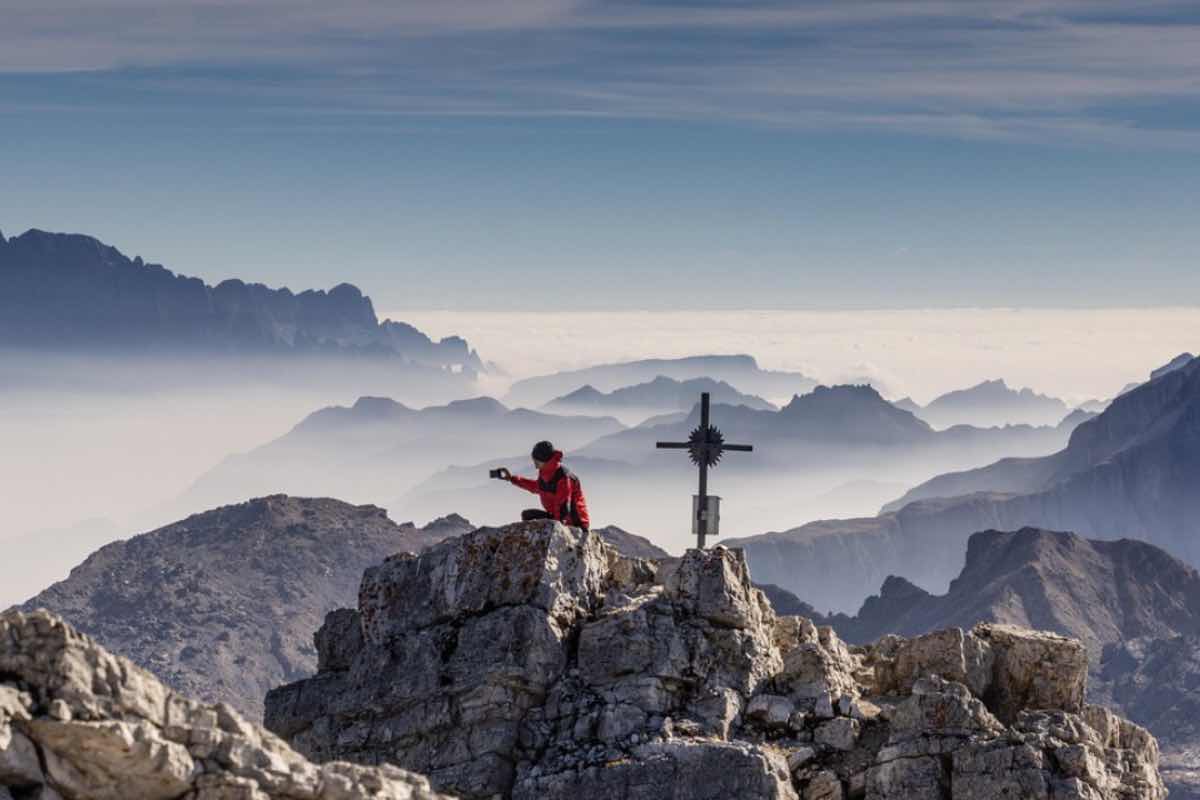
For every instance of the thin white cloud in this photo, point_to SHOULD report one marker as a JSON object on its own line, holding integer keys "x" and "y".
{"x": 979, "y": 69}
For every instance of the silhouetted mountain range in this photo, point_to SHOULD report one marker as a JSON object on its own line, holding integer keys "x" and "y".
{"x": 72, "y": 292}
{"x": 741, "y": 371}
{"x": 988, "y": 404}
{"x": 659, "y": 396}
{"x": 1133, "y": 470}
{"x": 845, "y": 421}
{"x": 1130, "y": 472}
{"x": 835, "y": 448}
{"x": 376, "y": 449}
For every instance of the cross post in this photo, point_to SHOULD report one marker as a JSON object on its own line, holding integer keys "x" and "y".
{"x": 705, "y": 445}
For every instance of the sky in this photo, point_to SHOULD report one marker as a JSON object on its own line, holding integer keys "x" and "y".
{"x": 562, "y": 155}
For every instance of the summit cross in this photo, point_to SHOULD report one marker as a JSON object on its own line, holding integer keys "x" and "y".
{"x": 705, "y": 445}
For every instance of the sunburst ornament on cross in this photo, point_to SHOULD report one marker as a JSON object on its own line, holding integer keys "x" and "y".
{"x": 705, "y": 446}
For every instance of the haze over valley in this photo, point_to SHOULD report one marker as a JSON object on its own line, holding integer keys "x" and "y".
{"x": 181, "y": 397}
{"x": 599, "y": 400}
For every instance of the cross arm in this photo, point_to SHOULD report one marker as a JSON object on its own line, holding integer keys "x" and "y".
{"x": 741, "y": 448}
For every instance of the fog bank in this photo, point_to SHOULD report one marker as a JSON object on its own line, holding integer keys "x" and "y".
{"x": 1071, "y": 353}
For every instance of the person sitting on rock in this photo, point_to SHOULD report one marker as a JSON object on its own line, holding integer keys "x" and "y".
{"x": 559, "y": 489}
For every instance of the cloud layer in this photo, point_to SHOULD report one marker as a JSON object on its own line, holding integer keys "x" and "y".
{"x": 1071, "y": 353}
{"x": 1053, "y": 70}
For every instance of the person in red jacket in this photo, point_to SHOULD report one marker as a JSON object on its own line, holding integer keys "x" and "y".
{"x": 557, "y": 487}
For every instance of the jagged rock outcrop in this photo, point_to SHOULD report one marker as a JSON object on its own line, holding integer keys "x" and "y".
{"x": 1134, "y": 607}
{"x": 68, "y": 291}
{"x": 78, "y": 723}
{"x": 1156, "y": 682}
{"x": 222, "y": 605}
{"x": 534, "y": 661}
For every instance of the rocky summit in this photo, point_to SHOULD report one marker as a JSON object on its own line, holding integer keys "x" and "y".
{"x": 222, "y": 605}
{"x": 78, "y": 723}
{"x": 534, "y": 661}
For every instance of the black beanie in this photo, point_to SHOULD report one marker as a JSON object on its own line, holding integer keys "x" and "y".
{"x": 543, "y": 451}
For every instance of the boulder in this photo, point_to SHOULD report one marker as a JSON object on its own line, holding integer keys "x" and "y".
{"x": 79, "y": 723}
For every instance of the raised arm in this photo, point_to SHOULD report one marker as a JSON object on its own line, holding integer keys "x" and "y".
{"x": 524, "y": 483}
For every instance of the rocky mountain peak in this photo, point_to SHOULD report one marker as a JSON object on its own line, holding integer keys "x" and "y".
{"x": 1181, "y": 360}
{"x": 534, "y": 661}
{"x": 70, "y": 291}
{"x": 477, "y": 406}
{"x": 222, "y": 605}
{"x": 1140, "y": 414}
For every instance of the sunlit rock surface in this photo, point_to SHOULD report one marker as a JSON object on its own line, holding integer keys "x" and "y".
{"x": 79, "y": 723}
{"x": 534, "y": 661}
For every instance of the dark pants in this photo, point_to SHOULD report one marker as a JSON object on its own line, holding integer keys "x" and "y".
{"x": 530, "y": 514}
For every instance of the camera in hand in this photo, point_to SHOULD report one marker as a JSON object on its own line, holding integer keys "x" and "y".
{"x": 500, "y": 474}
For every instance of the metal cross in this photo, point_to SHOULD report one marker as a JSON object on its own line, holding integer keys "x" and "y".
{"x": 706, "y": 446}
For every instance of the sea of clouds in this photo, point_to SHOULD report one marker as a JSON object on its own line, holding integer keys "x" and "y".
{"x": 1075, "y": 354}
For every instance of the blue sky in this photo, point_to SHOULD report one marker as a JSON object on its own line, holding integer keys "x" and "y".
{"x": 567, "y": 154}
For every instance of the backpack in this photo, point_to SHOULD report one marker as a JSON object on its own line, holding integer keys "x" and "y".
{"x": 551, "y": 486}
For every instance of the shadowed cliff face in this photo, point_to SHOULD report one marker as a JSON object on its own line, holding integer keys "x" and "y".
{"x": 533, "y": 661}
{"x": 222, "y": 605}
{"x": 1100, "y": 592}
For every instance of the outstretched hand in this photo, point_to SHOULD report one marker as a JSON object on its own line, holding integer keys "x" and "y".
{"x": 502, "y": 473}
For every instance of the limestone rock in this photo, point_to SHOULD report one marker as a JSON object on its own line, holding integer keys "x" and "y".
{"x": 1033, "y": 669}
{"x": 533, "y": 661}
{"x": 78, "y": 723}
{"x": 1011, "y": 668}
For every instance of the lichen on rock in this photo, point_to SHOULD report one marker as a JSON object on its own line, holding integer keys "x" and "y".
{"x": 533, "y": 661}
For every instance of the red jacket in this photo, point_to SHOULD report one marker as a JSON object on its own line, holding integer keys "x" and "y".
{"x": 559, "y": 491}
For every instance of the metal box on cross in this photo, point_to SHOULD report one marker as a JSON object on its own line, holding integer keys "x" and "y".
{"x": 709, "y": 514}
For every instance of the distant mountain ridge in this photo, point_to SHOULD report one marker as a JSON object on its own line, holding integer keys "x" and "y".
{"x": 741, "y": 371}
{"x": 70, "y": 291}
{"x": 1130, "y": 472}
{"x": 843, "y": 440}
{"x": 850, "y": 418}
{"x": 660, "y": 395}
{"x": 375, "y": 449}
{"x": 1100, "y": 592}
{"x": 988, "y": 404}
